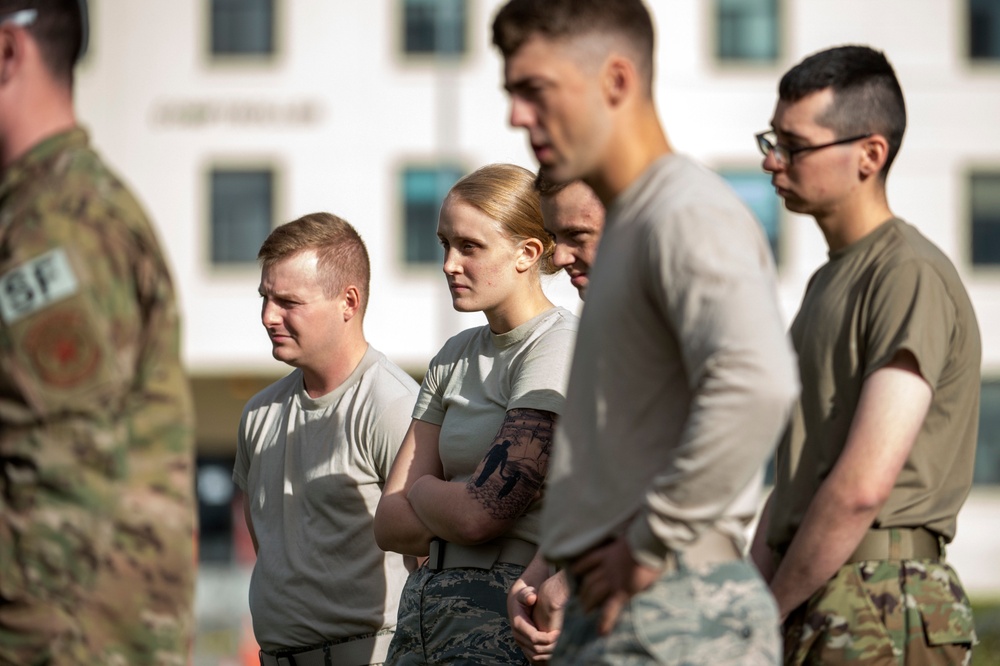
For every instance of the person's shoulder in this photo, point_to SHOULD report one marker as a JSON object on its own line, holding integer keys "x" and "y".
{"x": 458, "y": 345}
{"x": 559, "y": 319}
{"x": 389, "y": 379}
{"x": 274, "y": 395}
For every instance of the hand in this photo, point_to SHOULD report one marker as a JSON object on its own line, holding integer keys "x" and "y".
{"x": 522, "y": 603}
{"x": 551, "y": 604}
{"x": 609, "y": 576}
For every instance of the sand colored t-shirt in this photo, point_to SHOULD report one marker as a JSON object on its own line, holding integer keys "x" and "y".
{"x": 892, "y": 290}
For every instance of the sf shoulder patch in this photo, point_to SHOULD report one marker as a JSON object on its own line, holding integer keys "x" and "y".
{"x": 36, "y": 284}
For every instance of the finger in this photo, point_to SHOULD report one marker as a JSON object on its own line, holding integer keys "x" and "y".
{"x": 610, "y": 611}
{"x": 592, "y": 558}
{"x": 594, "y": 589}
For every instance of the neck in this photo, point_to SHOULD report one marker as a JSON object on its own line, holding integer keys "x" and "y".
{"x": 518, "y": 309}
{"x": 37, "y": 119}
{"x": 638, "y": 141}
{"x": 853, "y": 220}
{"x": 322, "y": 380}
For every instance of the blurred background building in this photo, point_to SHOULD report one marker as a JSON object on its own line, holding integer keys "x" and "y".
{"x": 232, "y": 116}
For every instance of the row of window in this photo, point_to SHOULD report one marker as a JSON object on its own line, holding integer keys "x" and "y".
{"x": 243, "y": 211}
{"x": 745, "y": 30}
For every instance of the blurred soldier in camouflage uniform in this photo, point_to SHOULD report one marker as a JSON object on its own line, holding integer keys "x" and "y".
{"x": 878, "y": 458}
{"x": 96, "y": 496}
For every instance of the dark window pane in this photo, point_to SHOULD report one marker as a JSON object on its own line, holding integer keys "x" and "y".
{"x": 756, "y": 191}
{"x": 984, "y": 192}
{"x": 434, "y": 26}
{"x": 242, "y": 211}
{"x": 747, "y": 30}
{"x": 242, "y": 27}
{"x": 216, "y": 493}
{"x": 984, "y": 29}
{"x": 988, "y": 448}
{"x": 423, "y": 191}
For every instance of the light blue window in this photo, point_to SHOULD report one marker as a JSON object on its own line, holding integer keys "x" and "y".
{"x": 434, "y": 26}
{"x": 424, "y": 188}
{"x": 747, "y": 30}
{"x": 242, "y": 208}
{"x": 242, "y": 27}
{"x": 984, "y": 205}
{"x": 755, "y": 189}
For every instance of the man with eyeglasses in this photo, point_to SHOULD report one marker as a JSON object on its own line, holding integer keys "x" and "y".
{"x": 97, "y": 513}
{"x": 878, "y": 457}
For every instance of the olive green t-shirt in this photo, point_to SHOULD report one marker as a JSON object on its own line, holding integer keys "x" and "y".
{"x": 893, "y": 290}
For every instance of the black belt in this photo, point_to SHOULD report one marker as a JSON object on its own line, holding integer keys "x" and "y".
{"x": 447, "y": 555}
{"x": 356, "y": 652}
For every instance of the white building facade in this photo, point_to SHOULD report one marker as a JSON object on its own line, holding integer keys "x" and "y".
{"x": 229, "y": 117}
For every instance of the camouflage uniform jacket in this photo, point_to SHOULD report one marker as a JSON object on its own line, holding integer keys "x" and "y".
{"x": 96, "y": 436}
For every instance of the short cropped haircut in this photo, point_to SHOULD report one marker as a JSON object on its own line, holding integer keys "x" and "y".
{"x": 867, "y": 97}
{"x": 342, "y": 259}
{"x": 58, "y": 31}
{"x": 547, "y": 188}
{"x": 519, "y": 20}
{"x": 506, "y": 193}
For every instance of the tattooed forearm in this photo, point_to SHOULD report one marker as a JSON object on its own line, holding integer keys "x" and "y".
{"x": 511, "y": 474}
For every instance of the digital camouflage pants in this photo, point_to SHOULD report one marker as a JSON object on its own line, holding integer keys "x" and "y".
{"x": 722, "y": 614}
{"x": 456, "y": 616}
{"x": 896, "y": 613}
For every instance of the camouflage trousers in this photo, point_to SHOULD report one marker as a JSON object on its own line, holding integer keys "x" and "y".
{"x": 897, "y": 613}
{"x": 456, "y": 616}
{"x": 722, "y": 614}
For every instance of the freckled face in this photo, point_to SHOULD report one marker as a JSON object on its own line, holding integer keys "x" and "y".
{"x": 479, "y": 260}
{"x": 574, "y": 216}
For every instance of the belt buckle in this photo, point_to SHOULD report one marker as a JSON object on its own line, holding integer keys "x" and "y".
{"x": 435, "y": 555}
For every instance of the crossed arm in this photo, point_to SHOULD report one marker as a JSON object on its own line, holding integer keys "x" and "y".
{"x": 891, "y": 409}
{"x": 418, "y": 504}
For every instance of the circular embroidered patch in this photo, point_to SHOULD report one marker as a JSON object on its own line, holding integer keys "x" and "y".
{"x": 61, "y": 353}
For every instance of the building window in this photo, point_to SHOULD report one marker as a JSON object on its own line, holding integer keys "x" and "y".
{"x": 216, "y": 506}
{"x": 242, "y": 213}
{"x": 747, "y": 30}
{"x": 984, "y": 205}
{"x": 755, "y": 189}
{"x": 423, "y": 190}
{"x": 984, "y": 29}
{"x": 434, "y": 27}
{"x": 242, "y": 27}
{"x": 987, "y": 469}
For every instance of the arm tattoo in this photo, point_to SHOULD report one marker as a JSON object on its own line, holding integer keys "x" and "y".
{"x": 511, "y": 474}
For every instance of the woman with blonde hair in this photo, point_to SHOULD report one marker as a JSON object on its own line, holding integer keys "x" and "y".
{"x": 464, "y": 490}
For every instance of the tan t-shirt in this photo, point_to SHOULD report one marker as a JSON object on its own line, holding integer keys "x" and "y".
{"x": 313, "y": 470}
{"x": 682, "y": 377}
{"x": 892, "y": 290}
{"x": 478, "y": 376}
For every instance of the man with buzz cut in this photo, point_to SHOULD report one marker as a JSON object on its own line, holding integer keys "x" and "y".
{"x": 97, "y": 508}
{"x": 682, "y": 378}
{"x": 314, "y": 450}
{"x": 879, "y": 455}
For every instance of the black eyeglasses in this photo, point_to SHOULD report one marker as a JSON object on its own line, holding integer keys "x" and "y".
{"x": 768, "y": 141}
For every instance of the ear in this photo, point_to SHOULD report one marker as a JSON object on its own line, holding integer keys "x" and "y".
{"x": 618, "y": 79}
{"x": 531, "y": 251}
{"x": 11, "y": 52}
{"x": 874, "y": 153}
{"x": 352, "y": 302}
